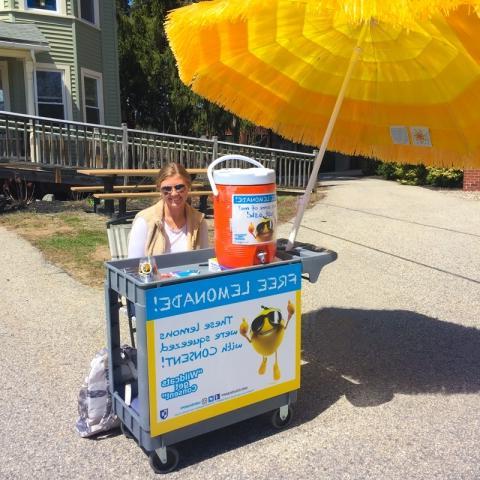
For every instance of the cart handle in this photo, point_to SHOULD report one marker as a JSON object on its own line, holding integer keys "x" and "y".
{"x": 223, "y": 159}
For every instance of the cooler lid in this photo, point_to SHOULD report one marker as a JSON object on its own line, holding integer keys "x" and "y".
{"x": 244, "y": 176}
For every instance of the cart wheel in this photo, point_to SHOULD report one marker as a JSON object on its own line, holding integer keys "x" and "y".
{"x": 126, "y": 431}
{"x": 277, "y": 421}
{"x": 172, "y": 461}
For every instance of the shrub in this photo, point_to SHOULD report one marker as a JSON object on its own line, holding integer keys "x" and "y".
{"x": 420, "y": 175}
{"x": 17, "y": 192}
{"x": 445, "y": 177}
{"x": 412, "y": 174}
{"x": 387, "y": 170}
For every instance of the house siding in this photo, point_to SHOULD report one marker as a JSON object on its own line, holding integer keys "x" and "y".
{"x": 76, "y": 44}
{"x": 60, "y": 39}
{"x": 58, "y": 32}
{"x": 111, "y": 82}
{"x": 89, "y": 55}
{"x": 96, "y": 50}
{"x": 89, "y": 49}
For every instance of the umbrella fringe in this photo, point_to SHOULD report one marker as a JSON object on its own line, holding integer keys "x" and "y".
{"x": 405, "y": 155}
{"x": 408, "y": 154}
{"x": 402, "y": 13}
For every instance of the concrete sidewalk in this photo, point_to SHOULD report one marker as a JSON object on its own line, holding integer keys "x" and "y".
{"x": 391, "y": 341}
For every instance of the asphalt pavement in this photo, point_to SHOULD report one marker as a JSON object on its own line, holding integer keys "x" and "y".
{"x": 390, "y": 348}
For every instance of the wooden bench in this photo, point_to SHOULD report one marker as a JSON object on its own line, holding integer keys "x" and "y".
{"x": 131, "y": 172}
{"x": 116, "y": 188}
{"x": 123, "y": 196}
{"x": 123, "y": 188}
{"x": 120, "y": 195}
{"x": 109, "y": 177}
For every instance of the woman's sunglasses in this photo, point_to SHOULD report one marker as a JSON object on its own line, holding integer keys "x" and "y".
{"x": 168, "y": 188}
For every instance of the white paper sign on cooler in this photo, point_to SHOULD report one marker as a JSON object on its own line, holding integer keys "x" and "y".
{"x": 254, "y": 218}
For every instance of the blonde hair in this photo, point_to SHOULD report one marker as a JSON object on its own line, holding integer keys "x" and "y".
{"x": 171, "y": 169}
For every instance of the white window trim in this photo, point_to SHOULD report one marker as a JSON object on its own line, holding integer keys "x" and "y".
{"x": 67, "y": 87}
{"x": 96, "y": 12}
{"x": 61, "y": 8}
{"x": 85, "y": 72}
{"x": 5, "y": 85}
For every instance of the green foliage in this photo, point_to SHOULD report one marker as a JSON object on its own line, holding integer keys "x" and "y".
{"x": 420, "y": 175}
{"x": 152, "y": 95}
{"x": 387, "y": 170}
{"x": 411, "y": 174}
{"x": 445, "y": 177}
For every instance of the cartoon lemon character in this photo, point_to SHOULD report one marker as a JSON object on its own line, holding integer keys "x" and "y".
{"x": 266, "y": 334}
{"x": 263, "y": 231}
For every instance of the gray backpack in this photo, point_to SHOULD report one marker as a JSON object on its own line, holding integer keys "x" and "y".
{"x": 94, "y": 399}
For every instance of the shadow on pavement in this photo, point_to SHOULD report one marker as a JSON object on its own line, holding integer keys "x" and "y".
{"x": 368, "y": 356}
{"x": 390, "y": 351}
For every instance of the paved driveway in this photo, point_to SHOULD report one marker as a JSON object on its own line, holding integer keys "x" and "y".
{"x": 391, "y": 344}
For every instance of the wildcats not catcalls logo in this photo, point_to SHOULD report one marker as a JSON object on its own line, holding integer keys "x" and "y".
{"x": 164, "y": 414}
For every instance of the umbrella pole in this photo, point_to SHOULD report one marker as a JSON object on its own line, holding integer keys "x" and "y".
{"x": 326, "y": 138}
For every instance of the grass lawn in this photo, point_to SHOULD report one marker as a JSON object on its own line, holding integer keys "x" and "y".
{"x": 71, "y": 236}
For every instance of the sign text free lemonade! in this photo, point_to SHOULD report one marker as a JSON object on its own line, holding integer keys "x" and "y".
{"x": 196, "y": 295}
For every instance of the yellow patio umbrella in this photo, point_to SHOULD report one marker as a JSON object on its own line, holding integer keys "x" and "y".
{"x": 398, "y": 80}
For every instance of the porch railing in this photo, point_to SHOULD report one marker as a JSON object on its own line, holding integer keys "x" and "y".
{"x": 51, "y": 142}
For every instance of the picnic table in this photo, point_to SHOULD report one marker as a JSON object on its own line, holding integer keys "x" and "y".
{"x": 109, "y": 176}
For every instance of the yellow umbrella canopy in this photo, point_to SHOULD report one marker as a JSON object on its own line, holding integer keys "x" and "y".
{"x": 401, "y": 78}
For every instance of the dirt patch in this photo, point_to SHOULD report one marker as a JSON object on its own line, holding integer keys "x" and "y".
{"x": 58, "y": 206}
{"x": 34, "y": 233}
{"x": 101, "y": 254}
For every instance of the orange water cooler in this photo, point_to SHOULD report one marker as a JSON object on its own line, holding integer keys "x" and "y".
{"x": 245, "y": 211}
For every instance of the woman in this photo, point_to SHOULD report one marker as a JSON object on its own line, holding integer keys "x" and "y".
{"x": 171, "y": 225}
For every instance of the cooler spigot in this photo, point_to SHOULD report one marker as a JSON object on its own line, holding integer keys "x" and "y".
{"x": 262, "y": 256}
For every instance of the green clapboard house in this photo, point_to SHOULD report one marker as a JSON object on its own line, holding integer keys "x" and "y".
{"x": 58, "y": 58}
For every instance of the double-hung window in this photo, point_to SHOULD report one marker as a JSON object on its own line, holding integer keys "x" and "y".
{"x": 89, "y": 11}
{"x": 92, "y": 96}
{"x": 50, "y": 93}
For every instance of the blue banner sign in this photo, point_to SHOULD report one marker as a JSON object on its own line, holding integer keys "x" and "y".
{"x": 219, "y": 343}
{"x": 221, "y": 290}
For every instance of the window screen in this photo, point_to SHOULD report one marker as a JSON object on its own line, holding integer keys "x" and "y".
{"x": 92, "y": 106}
{"x": 50, "y": 94}
{"x": 87, "y": 10}
{"x": 42, "y": 4}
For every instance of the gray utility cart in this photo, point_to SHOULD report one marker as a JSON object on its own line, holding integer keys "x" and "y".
{"x": 213, "y": 347}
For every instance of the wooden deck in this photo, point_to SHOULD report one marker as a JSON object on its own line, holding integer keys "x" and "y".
{"x": 32, "y": 172}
